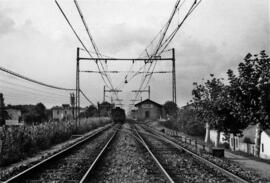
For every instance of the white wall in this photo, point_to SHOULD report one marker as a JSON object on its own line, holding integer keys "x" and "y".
{"x": 213, "y": 136}
{"x": 265, "y": 140}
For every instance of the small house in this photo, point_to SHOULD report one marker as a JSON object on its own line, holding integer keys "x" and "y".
{"x": 149, "y": 110}
{"x": 64, "y": 112}
{"x": 14, "y": 117}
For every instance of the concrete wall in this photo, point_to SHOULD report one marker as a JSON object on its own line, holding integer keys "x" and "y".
{"x": 265, "y": 142}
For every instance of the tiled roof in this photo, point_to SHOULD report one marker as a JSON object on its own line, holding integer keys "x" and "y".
{"x": 147, "y": 101}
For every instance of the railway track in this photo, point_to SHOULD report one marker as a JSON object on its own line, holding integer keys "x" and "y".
{"x": 168, "y": 151}
{"x": 71, "y": 164}
{"x": 125, "y": 160}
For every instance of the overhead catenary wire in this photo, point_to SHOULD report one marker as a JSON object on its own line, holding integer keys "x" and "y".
{"x": 171, "y": 36}
{"x": 167, "y": 41}
{"x": 77, "y": 36}
{"x": 91, "y": 39}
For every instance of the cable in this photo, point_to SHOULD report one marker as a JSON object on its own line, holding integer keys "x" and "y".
{"x": 87, "y": 98}
{"x": 94, "y": 45}
{"x": 167, "y": 41}
{"x": 72, "y": 27}
{"x": 34, "y": 81}
{"x": 45, "y": 92}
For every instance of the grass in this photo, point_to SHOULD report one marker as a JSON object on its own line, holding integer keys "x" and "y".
{"x": 19, "y": 142}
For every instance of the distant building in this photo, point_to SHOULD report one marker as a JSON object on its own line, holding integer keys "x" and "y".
{"x": 105, "y": 108}
{"x": 149, "y": 110}
{"x": 64, "y": 112}
{"x": 14, "y": 117}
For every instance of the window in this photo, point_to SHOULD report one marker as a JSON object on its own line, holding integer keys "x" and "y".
{"x": 262, "y": 147}
{"x": 57, "y": 112}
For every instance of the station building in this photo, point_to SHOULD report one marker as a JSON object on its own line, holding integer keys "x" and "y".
{"x": 149, "y": 110}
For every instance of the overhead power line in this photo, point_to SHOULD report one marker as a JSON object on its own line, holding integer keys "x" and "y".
{"x": 34, "y": 81}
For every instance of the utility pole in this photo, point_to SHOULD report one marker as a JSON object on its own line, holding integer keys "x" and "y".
{"x": 149, "y": 92}
{"x": 2, "y": 106}
{"x": 104, "y": 94}
{"x": 173, "y": 77}
{"x": 72, "y": 103}
{"x": 77, "y": 88}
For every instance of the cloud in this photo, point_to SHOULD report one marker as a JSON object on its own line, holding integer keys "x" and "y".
{"x": 6, "y": 24}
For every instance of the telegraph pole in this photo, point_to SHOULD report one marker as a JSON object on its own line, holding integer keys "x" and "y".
{"x": 104, "y": 94}
{"x": 77, "y": 87}
{"x": 173, "y": 77}
{"x": 2, "y": 106}
{"x": 72, "y": 103}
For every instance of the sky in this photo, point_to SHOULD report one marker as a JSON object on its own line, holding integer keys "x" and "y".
{"x": 36, "y": 41}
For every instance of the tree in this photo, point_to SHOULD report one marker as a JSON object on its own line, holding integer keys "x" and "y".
{"x": 250, "y": 92}
{"x": 90, "y": 112}
{"x": 212, "y": 102}
{"x": 171, "y": 108}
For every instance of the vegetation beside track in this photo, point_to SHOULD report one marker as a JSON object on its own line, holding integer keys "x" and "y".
{"x": 23, "y": 141}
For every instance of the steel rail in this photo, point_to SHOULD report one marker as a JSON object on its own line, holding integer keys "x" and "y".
{"x": 168, "y": 177}
{"x": 28, "y": 171}
{"x": 225, "y": 172}
{"x": 90, "y": 169}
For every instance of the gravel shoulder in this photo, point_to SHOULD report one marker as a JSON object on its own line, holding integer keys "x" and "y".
{"x": 263, "y": 169}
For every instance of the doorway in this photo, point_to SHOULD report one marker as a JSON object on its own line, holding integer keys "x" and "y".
{"x": 147, "y": 114}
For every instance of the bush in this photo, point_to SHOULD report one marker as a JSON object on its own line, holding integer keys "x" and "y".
{"x": 22, "y": 141}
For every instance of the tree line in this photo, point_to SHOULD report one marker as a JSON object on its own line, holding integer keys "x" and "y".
{"x": 230, "y": 105}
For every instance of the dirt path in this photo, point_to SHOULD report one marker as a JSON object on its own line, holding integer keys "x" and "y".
{"x": 261, "y": 168}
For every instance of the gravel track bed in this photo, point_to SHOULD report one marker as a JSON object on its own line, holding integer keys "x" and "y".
{"x": 126, "y": 161}
{"x": 182, "y": 166}
{"x": 72, "y": 167}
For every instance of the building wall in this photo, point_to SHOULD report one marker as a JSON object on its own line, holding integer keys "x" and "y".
{"x": 14, "y": 114}
{"x": 265, "y": 146}
{"x": 154, "y": 111}
{"x": 15, "y": 117}
{"x": 213, "y": 137}
{"x": 59, "y": 114}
